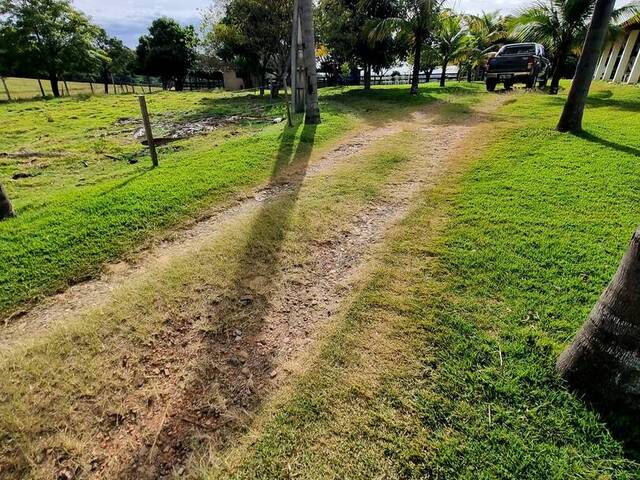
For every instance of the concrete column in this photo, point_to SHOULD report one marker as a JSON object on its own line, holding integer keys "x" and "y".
{"x": 612, "y": 60}
{"x": 626, "y": 56}
{"x": 602, "y": 63}
{"x": 635, "y": 71}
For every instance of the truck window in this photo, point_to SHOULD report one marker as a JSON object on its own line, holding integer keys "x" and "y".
{"x": 518, "y": 50}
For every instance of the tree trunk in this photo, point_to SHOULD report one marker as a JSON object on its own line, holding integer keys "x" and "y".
{"x": 443, "y": 76}
{"x": 367, "y": 76}
{"x": 427, "y": 74}
{"x": 417, "y": 54}
{"x": 571, "y": 119}
{"x": 563, "y": 51}
{"x": 312, "y": 116}
{"x": 41, "y": 88}
{"x": 603, "y": 361}
{"x": 53, "y": 79}
{"x": 6, "y": 209}
{"x": 469, "y": 74}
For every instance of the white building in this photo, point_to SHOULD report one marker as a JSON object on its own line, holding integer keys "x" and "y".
{"x": 620, "y": 60}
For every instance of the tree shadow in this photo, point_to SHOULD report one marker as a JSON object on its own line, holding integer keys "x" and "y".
{"x": 622, "y": 423}
{"x": 590, "y": 137}
{"x": 232, "y": 375}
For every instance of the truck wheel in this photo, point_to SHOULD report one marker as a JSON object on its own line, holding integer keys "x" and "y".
{"x": 508, "y": 85}
{"x": 491, "y": 84}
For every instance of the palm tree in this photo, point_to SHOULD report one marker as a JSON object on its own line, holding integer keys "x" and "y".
{"x": 560, "y": 25}
{"x": 556, "y": 24}
{"x": 600, "y": 28}
{"x": 487, "y": 31}
{"x": 602, "y": 362}
{"x": 6, "y": 209}
{"x": 571, "y": 119}
{"x": 312, "y": 116}
{"x": 450, "y": 36}
{"x": 415, "y": 25}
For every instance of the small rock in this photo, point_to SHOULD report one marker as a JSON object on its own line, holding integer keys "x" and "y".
{"x": 234, "y": 361}
{"x": 156, "y": 371}
{"x": 180, "y": 470}
{"x": 246, "y": 372}
{"x": 237, "y": 333}
{"x": 273, "y": 373}
{"x": 244, "y": 355}
{"x": 246, "y": 300}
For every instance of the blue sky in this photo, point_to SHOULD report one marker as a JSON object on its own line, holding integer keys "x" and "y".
{"x": 128, "y": 19}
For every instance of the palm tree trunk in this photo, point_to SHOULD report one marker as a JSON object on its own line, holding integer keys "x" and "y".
{"x": 312, "y": 116}
{"x": 417, "y": 53}
{"x": 571, "y": 119}
{"x": 562, "y": 53}
{"x": 6, "y": 209}
{"x": 443, "y": 76}
{"x": 367, "y": 76}
{"x": 603, "y": 361}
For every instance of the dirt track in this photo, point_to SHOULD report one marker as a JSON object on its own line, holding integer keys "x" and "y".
{"x": 263, "y": 332}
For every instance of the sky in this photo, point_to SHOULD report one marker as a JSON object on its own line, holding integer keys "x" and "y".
{"x": 128, "y": 19}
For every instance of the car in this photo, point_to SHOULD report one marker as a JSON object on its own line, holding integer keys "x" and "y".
{"x": 518, "y": 63}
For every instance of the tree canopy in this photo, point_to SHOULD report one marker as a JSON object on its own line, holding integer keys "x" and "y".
{"x": 168, "y": 51}
{"x": 48, "y": 37}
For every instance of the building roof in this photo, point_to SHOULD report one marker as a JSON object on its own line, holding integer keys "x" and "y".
{"x": 633, "y": 23}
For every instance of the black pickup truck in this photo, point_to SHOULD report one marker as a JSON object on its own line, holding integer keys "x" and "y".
{"x": 518, "y": 63}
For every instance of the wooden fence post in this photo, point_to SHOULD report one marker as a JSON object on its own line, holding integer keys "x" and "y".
{"x": 6, "y": 89}
{"x": 147, "y": 129}
{"x": 113, "y": 82}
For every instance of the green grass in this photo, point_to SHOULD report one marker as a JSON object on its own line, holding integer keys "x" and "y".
{"x": 73, "y": 218}
{"x": 28, "y": 88}
{"x": 444, "y": 365}
{"x": 67, "y": 383}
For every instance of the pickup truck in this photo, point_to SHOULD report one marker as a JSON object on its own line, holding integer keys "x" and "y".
{"x": 518, "y": 63}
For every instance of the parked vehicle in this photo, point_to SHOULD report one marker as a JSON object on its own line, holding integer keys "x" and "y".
{"x": 518, "y": 63}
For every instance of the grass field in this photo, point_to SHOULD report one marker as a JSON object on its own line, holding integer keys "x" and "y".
{"x": 444, "y": 365}
{"x": 84, "y": 204}
{"x": 439, "y": 365}
{"x": 28, "y": 88}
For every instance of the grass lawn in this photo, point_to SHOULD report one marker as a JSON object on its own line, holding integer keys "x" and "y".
{"x": 69, "y": 391}
{"x": 28, "y": 88}
{"x": 443, "y": 367}
{"x": 84, "y": 204}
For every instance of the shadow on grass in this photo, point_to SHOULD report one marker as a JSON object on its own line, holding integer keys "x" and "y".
{"x": 590, "y": 137}
{"x": 231, "y": 377}
{"x": 624, "y": 427}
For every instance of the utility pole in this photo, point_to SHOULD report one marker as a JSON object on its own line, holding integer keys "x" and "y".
{"x": 297, "y": 63}
{"x": 312, "y": 116}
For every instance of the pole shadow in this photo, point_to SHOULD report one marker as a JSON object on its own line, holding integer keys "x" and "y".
{"x": 232, "y": 376}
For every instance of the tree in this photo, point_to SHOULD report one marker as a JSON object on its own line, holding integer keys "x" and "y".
{"x": 415, "y": 25}
{"x": 559, "y": 25}
{"x": 6, "y": 209}
{"x": 116, "y": 58}
{"x": 345, "y": 27}
{"x": 486, "y": 32}
{"x": 312, "y": 114}
{"x": 602, "y": 362}
{"x": 168, "y": 51}
{"x": 254, "y": 35}
{"x": 51, "y": 36}
{"x": 571, "y": 119}
{"x": 450, "y": 39}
